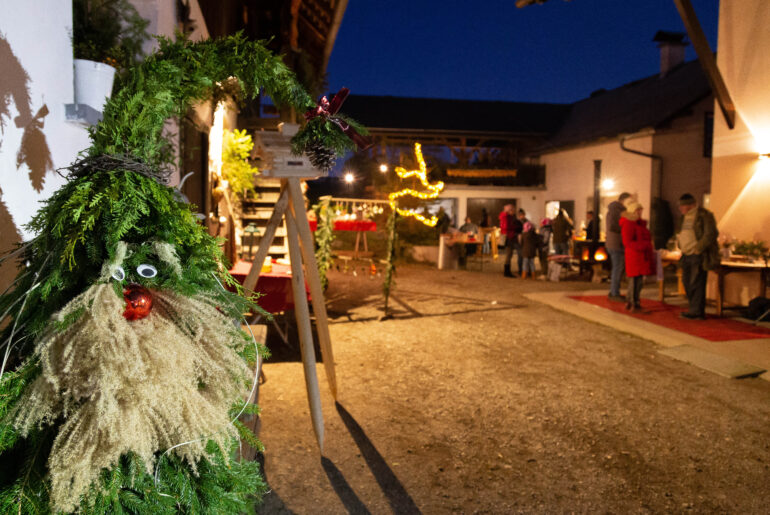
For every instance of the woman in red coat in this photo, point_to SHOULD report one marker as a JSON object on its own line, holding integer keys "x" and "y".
{"x": 640, "y": 260}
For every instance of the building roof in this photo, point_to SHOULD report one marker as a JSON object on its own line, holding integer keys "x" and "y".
{"x": 431, "y": 114}
{"x": 646, "y": 103}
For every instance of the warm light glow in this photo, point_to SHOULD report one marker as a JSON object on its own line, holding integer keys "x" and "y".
{"x": 608, "y": 184}
{"x": 586, "y": 254}
{"x": 600, "y": 254}
{"x": 383, "y": 168}
{"x": 764, "y": 157}
{"x": 216, "y": 138}
{"x": 349, "y": 178}
{"x": 433, "y": 189}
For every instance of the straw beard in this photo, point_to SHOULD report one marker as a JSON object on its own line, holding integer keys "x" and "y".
{"x": 132, "y": 386}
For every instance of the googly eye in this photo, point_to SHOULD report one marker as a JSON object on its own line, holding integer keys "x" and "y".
{"x": 147, "y": 271}
{"x": 119, "y": 274}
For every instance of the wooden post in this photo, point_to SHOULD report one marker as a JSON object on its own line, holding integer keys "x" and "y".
{"x": 707, "y": 60}
{"x": 314, "y": 281}
{"x": 302, "y": 313}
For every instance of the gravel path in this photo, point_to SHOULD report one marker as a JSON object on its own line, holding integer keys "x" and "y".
{"x": 491, "y": 403}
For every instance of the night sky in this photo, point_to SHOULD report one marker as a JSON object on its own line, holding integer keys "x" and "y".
{"x": 490, "y": 50}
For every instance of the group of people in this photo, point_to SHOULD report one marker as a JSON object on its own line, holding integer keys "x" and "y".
{"x": 629, "y": 245}
{"x": 530, "y": 242}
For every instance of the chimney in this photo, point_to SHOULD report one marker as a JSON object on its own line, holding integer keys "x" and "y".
{"x": 671, "y": 46}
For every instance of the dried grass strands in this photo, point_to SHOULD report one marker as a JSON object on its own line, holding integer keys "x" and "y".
{"x": 132, "y": 386}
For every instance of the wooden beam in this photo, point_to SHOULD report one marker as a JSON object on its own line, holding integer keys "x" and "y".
{"x": 707, "y": 60}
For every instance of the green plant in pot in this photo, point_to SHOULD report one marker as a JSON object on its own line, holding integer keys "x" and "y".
{"x": 108, "y": 31}
{"x": 107, "y": 38}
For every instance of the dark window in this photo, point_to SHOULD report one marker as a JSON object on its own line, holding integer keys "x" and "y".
{"x": 708, "y": 133}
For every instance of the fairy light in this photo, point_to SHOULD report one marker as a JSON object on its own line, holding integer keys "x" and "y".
{"x": 422, "y": 174}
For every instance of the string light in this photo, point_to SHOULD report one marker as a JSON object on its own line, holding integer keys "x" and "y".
{"x": 422, "y": 174}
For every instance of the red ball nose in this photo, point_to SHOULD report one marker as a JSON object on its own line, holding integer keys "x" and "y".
{"x": 138, "y": 302}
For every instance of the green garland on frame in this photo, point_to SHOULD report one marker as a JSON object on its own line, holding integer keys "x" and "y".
{"x": 390, "y": 267}
{"x": 114, "y": 224}
{"x": 324, "y": 236}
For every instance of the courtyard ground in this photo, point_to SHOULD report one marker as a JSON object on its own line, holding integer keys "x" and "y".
{"x": 475, "y": 399}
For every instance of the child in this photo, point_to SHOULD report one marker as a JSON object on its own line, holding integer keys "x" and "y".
{"x": 530, "y": 242}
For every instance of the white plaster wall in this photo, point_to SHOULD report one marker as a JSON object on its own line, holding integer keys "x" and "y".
{"x": 740, "y": 182}
{"x": 569, "y": 174}
{"x": 39, "y": 35}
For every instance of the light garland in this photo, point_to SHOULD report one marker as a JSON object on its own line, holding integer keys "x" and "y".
{"x": 433, "y": 189}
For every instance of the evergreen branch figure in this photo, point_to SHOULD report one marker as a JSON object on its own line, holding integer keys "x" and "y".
{"x": 119, "y": 342}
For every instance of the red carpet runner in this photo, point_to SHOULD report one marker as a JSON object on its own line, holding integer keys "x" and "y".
{"x": 713, "y": 328}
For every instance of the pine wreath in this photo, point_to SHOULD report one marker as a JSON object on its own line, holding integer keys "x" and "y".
{"x": 120, "y": 344}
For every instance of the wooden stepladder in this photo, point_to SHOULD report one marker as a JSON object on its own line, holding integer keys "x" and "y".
{"x": 291, "y": 207}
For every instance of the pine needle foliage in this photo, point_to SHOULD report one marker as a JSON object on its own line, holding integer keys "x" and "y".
{"x": 324, "y": 236}
{"x": 183, "y": 73}
{"x": 390, "y": 268}
{"x": 112, "y": 213}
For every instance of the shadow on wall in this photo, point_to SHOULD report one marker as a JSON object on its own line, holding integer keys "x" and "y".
{"x": 34, "y": 151}
{"x": 9, "y": 238}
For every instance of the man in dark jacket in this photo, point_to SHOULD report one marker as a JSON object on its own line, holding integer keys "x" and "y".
{"x": 697, "y": 238}
{"x": 614, "y": 243}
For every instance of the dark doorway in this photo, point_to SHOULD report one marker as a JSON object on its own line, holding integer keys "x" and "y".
{"x": 494, "y": 207}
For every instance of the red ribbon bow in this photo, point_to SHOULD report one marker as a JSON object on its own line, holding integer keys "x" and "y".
{"x": 328, "y": 109}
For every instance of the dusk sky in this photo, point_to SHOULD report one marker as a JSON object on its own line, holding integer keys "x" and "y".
{"x": 490, "y": 50}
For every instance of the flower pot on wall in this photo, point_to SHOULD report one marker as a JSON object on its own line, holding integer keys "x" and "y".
{"x": 93, "y": 83}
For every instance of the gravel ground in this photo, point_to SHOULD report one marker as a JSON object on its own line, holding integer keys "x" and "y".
{"x": 490, "y": 403}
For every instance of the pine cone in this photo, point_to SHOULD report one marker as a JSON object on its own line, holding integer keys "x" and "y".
{"x": 320, "y": 156}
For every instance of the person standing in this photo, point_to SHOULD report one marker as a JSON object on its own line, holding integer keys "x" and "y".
{"x": 640, "y": 258}
{"x": 510, "y": 227}
{"x": 522, "y": 217}
{"x": 562, "y": 230}
{"x": 530, "y": 241}
{"x": 590, "y": 226}
{"x": 545, "y": 243}
{"x": 697, "y": 238}
{"x": 614, "y": 243}
{"x": 484, "y": 222}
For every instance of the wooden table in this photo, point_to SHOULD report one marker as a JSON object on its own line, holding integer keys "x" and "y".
{"x": 666, "y": 260}
{"x": 449, "y": 240}
{"x": 729, "y": 267}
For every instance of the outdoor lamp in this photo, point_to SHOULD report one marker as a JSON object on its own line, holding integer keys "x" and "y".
{"x": 383, "y": 168}
{"x": 349, "y": 178}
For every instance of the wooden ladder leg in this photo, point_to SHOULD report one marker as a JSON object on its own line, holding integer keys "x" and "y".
{"x": 302, "y": 312}
{"x": 314, "y": 281}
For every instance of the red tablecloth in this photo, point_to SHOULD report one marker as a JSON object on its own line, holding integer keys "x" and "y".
{"x": 275, "y": 286}
{"x": 348, "y": 225}
{"x": 354, "y": 225}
